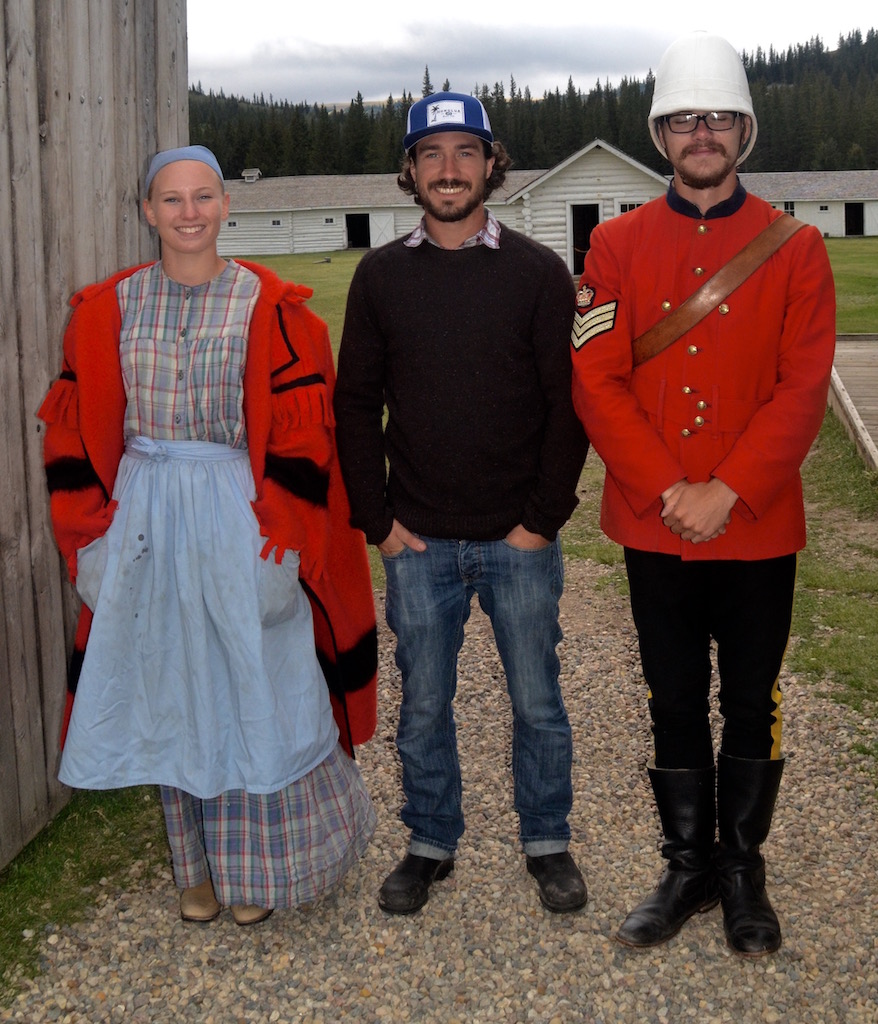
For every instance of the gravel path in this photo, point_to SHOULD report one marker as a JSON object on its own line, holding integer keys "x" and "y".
{"x": 483, "y": 951}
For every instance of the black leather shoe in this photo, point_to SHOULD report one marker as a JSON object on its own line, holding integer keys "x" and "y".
{"x": 407, "y": 888}
{"x": 562, "y": 887}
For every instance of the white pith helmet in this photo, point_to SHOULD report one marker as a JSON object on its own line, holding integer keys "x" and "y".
{"x": 701, "y": 71}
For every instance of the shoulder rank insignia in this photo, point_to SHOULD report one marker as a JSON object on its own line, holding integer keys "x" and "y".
{"x": 588, "y": 322}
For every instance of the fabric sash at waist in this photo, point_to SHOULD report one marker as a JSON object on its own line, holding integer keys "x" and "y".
{"x": 147, "y": 448}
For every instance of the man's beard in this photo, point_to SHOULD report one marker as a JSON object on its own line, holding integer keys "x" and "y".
{"x": 445, "y": 212}
{"x": 706, "y": 180}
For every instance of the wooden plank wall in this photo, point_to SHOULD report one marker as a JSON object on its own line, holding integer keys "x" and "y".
{"x": 88, "y": 92}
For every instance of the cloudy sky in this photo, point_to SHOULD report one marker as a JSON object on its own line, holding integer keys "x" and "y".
{"x": 314, "y": 52}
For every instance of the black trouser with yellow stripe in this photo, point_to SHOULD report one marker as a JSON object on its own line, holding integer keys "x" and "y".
{"x": 746, "y": 608}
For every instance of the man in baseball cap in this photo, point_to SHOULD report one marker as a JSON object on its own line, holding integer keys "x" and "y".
{"x": 460, "y": 331}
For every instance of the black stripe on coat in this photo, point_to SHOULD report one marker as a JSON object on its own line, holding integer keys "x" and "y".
{"x": 355, "y": 668}
{"x": 294, "y": 358}
{"x": 302, "y": 382}
{"x": 74, "y": 669}
{"x": 71, "y": 473}
{"x": 301, "y": 477}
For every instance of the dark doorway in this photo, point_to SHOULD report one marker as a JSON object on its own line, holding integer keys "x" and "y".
{"x": 357, "y": 226}
{"x": 854, "y": 219}
{"x": 585, "y": 220}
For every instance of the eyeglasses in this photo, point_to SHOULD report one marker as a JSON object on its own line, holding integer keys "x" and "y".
{"x": 716, "y": 121}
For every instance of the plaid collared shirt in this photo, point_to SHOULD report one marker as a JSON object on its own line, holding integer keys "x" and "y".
{"x": 489, "y": 234}
{"x": 183, "y": 351}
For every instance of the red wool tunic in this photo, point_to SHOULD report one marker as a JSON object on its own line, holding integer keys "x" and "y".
{"x": 740, "y": 397}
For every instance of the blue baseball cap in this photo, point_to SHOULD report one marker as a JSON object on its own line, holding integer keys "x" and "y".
{"x": 170, "y": 156}
{"x": 446, "y": 112}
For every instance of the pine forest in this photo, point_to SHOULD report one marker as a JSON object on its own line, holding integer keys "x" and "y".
{"x": 817, "y": 110}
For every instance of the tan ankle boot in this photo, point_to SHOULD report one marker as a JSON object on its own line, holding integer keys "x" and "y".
{"x": 199, "y": 903}
{"x": 249, "y": 914}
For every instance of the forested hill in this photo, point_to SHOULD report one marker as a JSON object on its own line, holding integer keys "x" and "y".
{"x": 817, "y": 110}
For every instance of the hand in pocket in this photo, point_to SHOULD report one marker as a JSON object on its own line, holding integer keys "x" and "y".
{"x": 91, "y": 564}
{"x": 279, "y": 589}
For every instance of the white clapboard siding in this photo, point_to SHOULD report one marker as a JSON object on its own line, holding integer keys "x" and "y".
{"x": 313, "y": 211}
{"x": 599, "y": 175}
{"x": 304, "y": 231}
{"x": 541, "y": 204}
{"x": 248, "y": 234}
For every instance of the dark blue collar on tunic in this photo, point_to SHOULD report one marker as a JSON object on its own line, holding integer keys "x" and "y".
{"x": 724, "y": 209}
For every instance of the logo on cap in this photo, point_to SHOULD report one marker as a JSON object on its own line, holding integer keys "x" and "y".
{"x": 446, "y": 112}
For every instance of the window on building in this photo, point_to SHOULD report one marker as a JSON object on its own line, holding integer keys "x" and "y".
{"x": 628, "y": 207}
{"x": 824, "y": 209}
{"x": 329, "y": 220}
{"x": 275, "y": 223}
{"x": 790, "y": 208}
{"x": 231, "y": 223}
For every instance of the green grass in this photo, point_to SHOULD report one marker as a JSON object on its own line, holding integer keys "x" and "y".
{"x": 582, "y": 536}
{"x": 97, "y": 838}
{"x": 854, "y": 263}
{"x": 330, "y": 281}
{"x": 837, "y": 585}
{"x": 855, "y": 266}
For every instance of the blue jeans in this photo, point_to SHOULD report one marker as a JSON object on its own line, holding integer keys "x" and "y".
{"x": 428, "y": 604}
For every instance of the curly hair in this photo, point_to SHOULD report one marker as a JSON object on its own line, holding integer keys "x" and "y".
{"x": 502, "y": 163}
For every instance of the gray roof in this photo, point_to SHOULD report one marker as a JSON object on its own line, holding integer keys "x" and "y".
{"x": 367, "y": 191}
{"x": 812, "y": 186}
{"x": 338, "y": 191}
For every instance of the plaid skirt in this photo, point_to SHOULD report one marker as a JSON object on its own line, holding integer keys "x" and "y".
{"x": 272, "y": 849}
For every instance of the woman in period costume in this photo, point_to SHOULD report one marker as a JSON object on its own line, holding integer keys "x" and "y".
{"x": 226, "y": 649}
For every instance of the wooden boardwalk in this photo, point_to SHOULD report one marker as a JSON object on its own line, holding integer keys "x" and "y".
{"x": 854, "y": 391}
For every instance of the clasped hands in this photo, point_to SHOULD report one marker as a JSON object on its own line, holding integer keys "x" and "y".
{"x": 698, "y": 512}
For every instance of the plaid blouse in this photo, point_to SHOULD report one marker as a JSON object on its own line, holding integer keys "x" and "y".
{"x": 183, "y": 349}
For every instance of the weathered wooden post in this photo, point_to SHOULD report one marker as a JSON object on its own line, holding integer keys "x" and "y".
{"x": 88, "y": 92}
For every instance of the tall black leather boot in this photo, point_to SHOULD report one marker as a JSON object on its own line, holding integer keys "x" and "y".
{"x": 746, "y": 795}
{"x": 687, "y": 808}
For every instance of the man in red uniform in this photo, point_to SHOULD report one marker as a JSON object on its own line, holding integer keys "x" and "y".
{"x": 703, "y": 443}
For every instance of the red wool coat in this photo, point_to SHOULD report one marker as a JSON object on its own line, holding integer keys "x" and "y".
{"x": 740, "y": 397}
{"x": 300, "y": 501}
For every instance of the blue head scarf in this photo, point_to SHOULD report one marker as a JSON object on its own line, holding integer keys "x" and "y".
{"x": 170, "y": 156}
